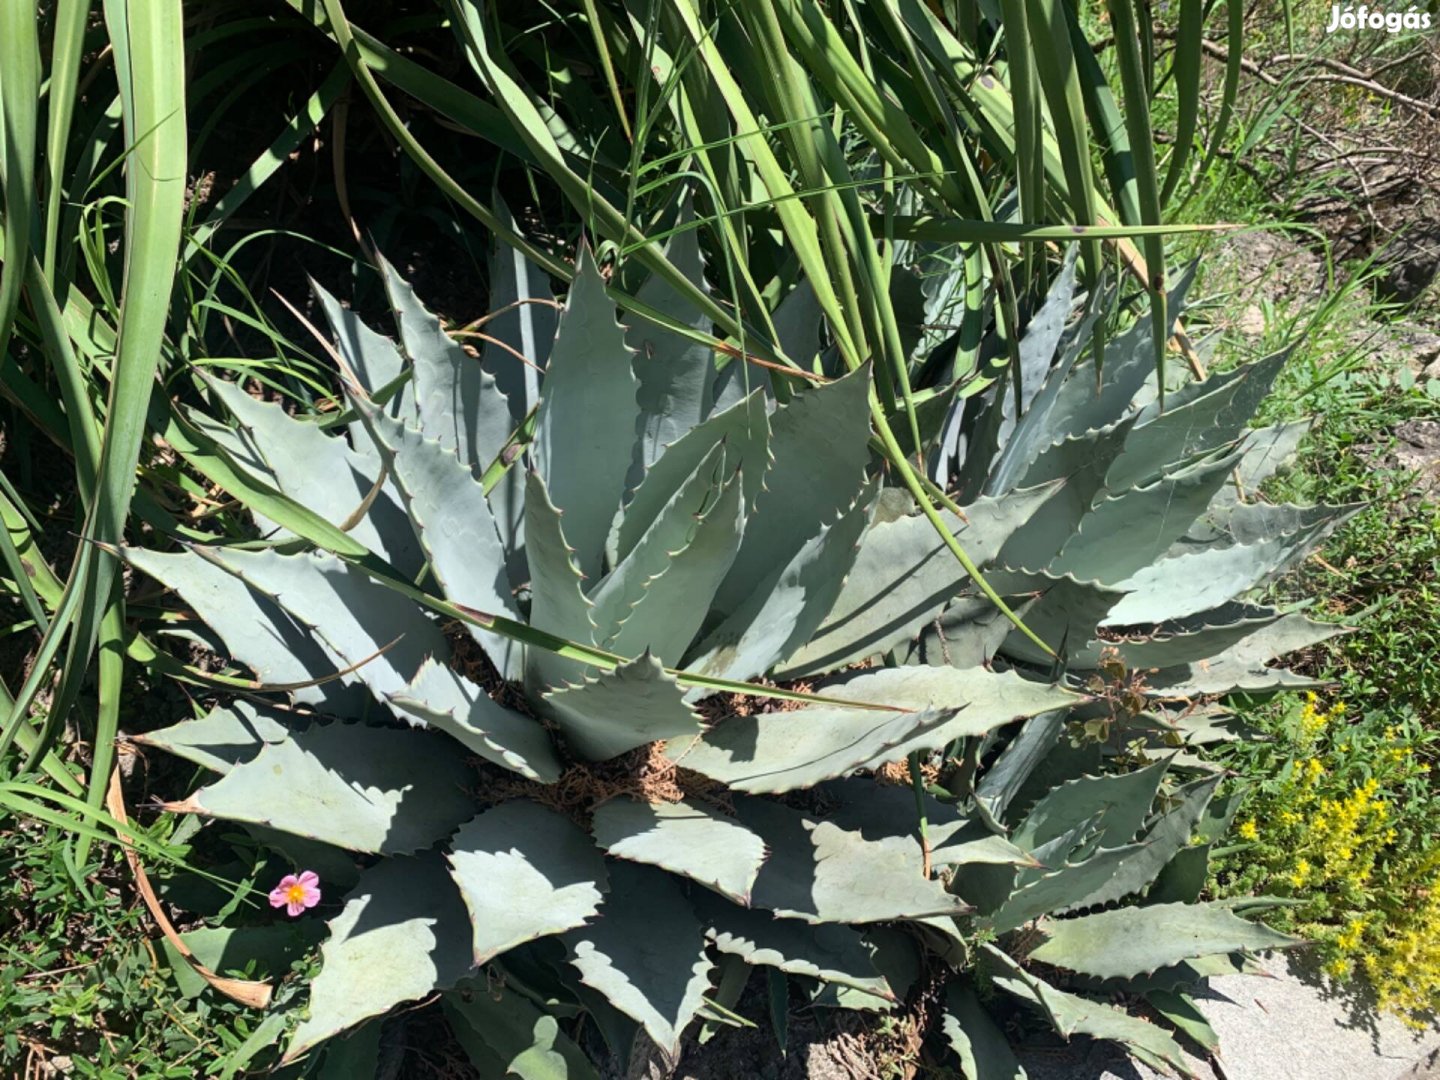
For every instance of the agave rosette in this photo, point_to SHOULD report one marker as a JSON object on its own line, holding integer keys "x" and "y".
{"x": 621, "y": 835}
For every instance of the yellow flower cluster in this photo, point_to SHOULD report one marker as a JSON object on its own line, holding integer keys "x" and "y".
{"x": 1403, "y": 962}
{"x": 1314, "y": 720}
{"x": 1329, "y": 838}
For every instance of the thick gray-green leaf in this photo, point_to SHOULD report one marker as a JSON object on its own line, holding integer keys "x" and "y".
{"x": 1219, "y": 412}
{"x": 525, "y": 1042}
{"x": 226, "y": 735}
{"x": 359, "y": 620}
{"x": 685, "y": 838}
{"x": 361, "y": 788}
{"x": 1079, "y": 465}
{"x": 903, "y": 575}
{"x": 1123, "y": 799}
{"x": 1003, "y": 779}
{"x": 1054, "y": 891}
{"x": 373, "y": 358}
{"x": 1138, "y": 940}
{"x": 523, "y": 319}
{"x": 1125, "y": 532}
{"x": 401, "y": 936}
{"x": 880, "y": 810}
{"x": 1064, "y": 611}
{"x": 819, "y": 446}
{"x": 1267, "y": 451}
{"x": 1163, "y": 840}
{"x": 781, "y": 751}
{"x": 1072, "y": 1014}
{"x": 1183, "y": 878}
{"x": 895, "y": 955}
{"x": 743, "y": 430}
{"x": 441, "y": 698}
{"x": 779, "y": 617}
{"x": 1243, "y": 665}
{"x": 984, "y": 1050}
{"x": 322, "y": 473}
{"x": 1189, "y": 975}
{"x": 585, "y": 428}
{"x": 458, "y": 403}
{"x": 992, "y": 887}
{"x": 1227, "y": 523}
{"x": 785, "y": 751}
{"x": 1080, "y": 406}
{"x": 452, "y": 522}
{"x": 833, "y": 954}
{"x": 798, "y": 321}
{"x": 657, "y": 598}
{"x": 1034, "y": 432}
{"x": 1180, "y": 1010}
{"x": 1097, "y": 876}
{"x": 525, "y": 872}
{"x": 635, "y": 704}
{"x": 675, "y": 372}
{"x": 1183, "y": 585}
{"x": 822, "y": 873}
{"x": 967, "y": 634}
{"x": 557, "y": 601}
{"x": 646, "y": 953}
{"x": 1183, "y": 641}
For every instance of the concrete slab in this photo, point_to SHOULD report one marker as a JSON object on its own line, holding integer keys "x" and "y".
{"x": 1289, "y": 1026}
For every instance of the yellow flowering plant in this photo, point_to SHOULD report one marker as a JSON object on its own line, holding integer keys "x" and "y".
{"x": 1341, "y": 826}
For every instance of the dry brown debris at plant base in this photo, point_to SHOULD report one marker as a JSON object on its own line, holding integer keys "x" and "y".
{"x": 645, "y": 773}
{"x": 898, "y": 772}
{"x": 719, "y": 707}
{"x": 469, "y": 659}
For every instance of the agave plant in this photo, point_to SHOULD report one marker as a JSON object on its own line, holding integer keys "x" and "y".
{"x": 633, "y": 678}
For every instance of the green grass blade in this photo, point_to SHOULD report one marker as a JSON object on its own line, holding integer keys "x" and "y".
{"x": 602, "y": 47}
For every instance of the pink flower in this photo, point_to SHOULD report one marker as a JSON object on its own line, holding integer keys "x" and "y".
{"x": 295, "y": 893}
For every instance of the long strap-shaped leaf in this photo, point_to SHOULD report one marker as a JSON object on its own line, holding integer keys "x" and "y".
{"x": 19, "y": 95}
{"x": 1142, "y": 155}
{"x": 1186, "y": 69}
{"x": 147, "y": 39}
{"x": 67, "y": 46}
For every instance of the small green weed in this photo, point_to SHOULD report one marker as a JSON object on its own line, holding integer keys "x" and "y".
{"x": 82, "y": 979}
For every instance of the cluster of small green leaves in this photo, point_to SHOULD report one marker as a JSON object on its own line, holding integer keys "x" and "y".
{"x": 1386, "y": 563}
{"x": 80, "y": 979}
